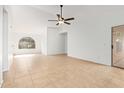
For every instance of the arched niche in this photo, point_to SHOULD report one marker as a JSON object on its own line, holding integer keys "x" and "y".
{"x": 26, "y": 43}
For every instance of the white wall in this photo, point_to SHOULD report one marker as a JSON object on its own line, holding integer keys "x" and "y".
{"x": 55, "y": 41}
{"x": 1, "y": 35}
{"x": 44, "y": 41}
{"x": 66, "y": 42}
{"x": 28, "y": 20}
{"x": 10, "y": 37}
{"x": 89, "y": 36}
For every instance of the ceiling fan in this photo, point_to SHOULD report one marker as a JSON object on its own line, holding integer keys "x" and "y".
{"x": 61, "y": 19}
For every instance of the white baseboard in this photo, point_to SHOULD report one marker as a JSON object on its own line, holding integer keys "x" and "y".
{"x": 1, "y": 83}
{"x": 5, "y": 69}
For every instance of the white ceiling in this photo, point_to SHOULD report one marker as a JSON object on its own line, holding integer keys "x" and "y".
{"x": 55, "y": 9}
{"x": 52, "y": 9}
{"x": 70, "y": 10}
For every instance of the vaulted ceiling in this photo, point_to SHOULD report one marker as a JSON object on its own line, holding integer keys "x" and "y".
{"x": 79, "y": 9}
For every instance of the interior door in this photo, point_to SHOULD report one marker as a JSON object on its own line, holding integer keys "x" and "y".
{"x": 118, "y": 46}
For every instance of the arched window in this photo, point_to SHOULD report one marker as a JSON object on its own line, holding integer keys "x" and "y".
{"x": 26, "y": 43}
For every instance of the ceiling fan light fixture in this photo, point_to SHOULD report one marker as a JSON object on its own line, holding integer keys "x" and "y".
{"x": 61, "y": 22}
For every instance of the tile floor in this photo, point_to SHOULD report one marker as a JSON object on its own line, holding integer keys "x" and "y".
{"x": 60, "y": 71}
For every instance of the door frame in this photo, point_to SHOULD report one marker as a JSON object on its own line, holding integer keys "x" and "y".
{"x": 112, "y": 46}
{"x": 5, "y": 39}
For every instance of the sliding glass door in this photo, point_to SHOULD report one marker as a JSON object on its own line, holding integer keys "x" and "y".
{"x": 118, "y": 46}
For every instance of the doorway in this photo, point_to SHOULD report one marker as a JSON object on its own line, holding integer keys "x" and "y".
{"x": 118, "y": 46}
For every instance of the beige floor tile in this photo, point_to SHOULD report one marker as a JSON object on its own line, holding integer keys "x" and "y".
{"x": 21, "y": 74}
{"x": 60, "y": 71}
{"x": 22, "y": 82}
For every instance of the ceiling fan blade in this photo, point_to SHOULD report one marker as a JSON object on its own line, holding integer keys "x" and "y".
{"x": 57, "y": 24}
{"x": 52, "y": 20}
{"x": 58, "y": 15}
{"x": 67, "y": 23}
{"x": 68, "y": 19}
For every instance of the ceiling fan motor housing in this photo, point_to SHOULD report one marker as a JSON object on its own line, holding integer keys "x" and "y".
{"x": 61, "y": 5}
